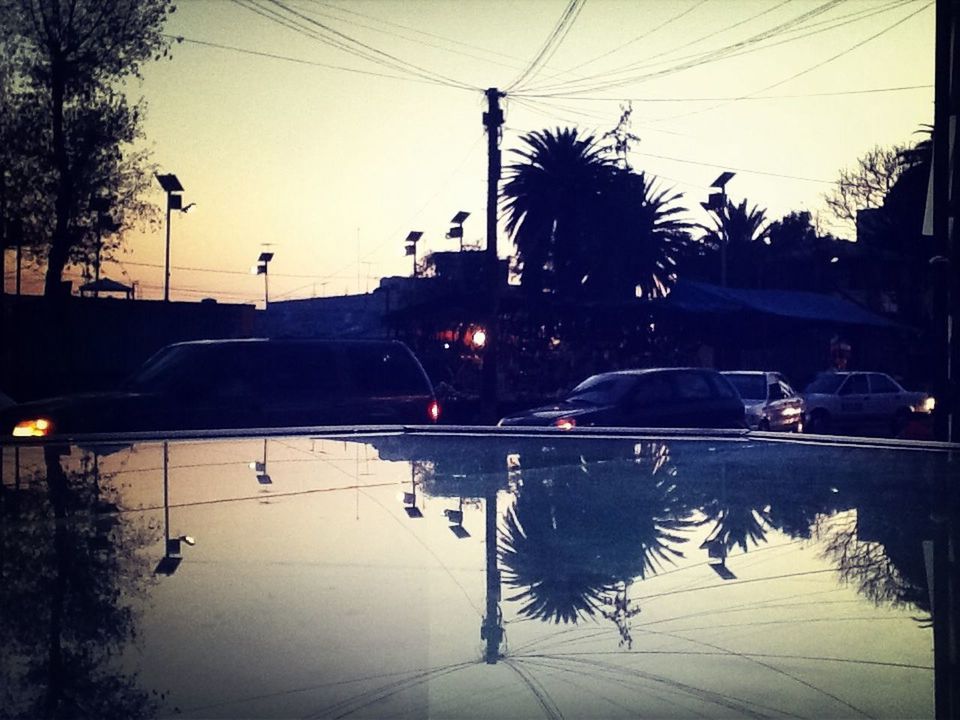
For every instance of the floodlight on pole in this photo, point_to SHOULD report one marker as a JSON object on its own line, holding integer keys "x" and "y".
{"x": 261, "y": 269}
{"x": 716, "y": 202}
{"x": 413, "y": 237}
{"x": 457, "y": 230}
{"x": 172, "y": 187}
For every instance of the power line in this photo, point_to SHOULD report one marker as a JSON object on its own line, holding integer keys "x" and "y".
{"x": 809, "y": 69}
{"x": 553, "y": 41}
{"x": 728, "y": 51}
{"x": 299, "y": 61}
{"x": 335, "y": 38}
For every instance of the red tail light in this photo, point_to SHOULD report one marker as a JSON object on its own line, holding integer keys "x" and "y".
{"x": 565, "y": 423}
{"x": 433, "y": 410}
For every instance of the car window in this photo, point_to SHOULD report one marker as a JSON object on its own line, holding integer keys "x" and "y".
{"x": 651, "y": 389}
{"x": 775, "y": 391}
{"x": 290, "y": 372}
{"x": 826, "y": 383}
{"x": 602, "y": 389}
{"x": 693, "y": 386}
{"x": 381, "y": 371}
{"x": 855, "y": 385}
{"x": 880, "y": 383}
{"x": 721, "y": 386}
{"x": 750, "y": 387}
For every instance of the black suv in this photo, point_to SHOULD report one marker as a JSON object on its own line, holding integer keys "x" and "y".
{"x": 233, "y": 384}
{"x": 654, "y": 397}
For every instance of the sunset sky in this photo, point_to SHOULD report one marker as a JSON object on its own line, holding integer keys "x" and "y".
{"x": 282, "y": 133}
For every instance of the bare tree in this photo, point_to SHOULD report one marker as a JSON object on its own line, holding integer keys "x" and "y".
{"x": 864, "y": 186}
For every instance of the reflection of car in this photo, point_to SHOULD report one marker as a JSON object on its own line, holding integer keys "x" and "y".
{"x": 656, "y": 397}
{"x": 861, "y": 401}
{"x": 769, "y": 401}
{"x": 230, "y": 384}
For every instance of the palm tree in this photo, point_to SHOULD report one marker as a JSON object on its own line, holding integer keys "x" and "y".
{"x": 642, "y": 235}
{"x": 737, "y": 230}
{"x": 550, "y": 199}
{"x": 586, "y": 228}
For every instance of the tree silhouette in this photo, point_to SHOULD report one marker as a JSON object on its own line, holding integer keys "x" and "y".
{"x": 585, "y": 228}
{"x": 742, "y": 231}
{"x": 68, "y": 119}
{"x": 574, "y": 541}
{"x": 551, "y": 202}
{"x": 71, "y": 574}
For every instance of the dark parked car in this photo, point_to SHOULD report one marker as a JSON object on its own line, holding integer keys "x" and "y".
{"x": 655, "y": 397}
{"x": 232, "y": 384}
{"x": 770, "y": 402}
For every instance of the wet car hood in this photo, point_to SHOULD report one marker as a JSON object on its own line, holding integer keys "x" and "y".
{"x": 548, "y": 413}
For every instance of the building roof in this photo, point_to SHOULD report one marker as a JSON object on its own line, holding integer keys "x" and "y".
{"x": 700, "y": 297}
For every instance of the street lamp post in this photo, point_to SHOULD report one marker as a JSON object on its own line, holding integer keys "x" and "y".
{"x": 716, "y": 202}
{"x": 457, "y": 230}
{"x": 411, "y": 247}
{"x": 261, "y": 269}
{"x": 172, "y": 187}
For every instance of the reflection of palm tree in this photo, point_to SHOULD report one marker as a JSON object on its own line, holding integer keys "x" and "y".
{"x": 571, "y": 541}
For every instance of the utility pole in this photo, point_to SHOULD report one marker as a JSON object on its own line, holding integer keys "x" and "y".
{"x": 492, "y": 120}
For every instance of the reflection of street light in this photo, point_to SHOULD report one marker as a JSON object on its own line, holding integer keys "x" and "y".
{"x": 172, "y": 556}
{"x": 456, "y": 521}
{"x": 171, "y": 185}
{"x": 261, "y": 269}
{"x": 409, "y": 499}
{"x": 260, "y": 467}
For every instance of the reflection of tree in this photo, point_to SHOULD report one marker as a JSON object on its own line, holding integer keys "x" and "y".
{"x": 578, "y": 535}
{"x": 889, "y": 566}
{"x": 71, "y": 571}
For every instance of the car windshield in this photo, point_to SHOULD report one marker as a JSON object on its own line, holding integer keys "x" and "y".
{"x": 602, "y": 389}
{"x": 170, "y": 368}
{"x": 750, "y": 386}
{"x": 825, "y": 383}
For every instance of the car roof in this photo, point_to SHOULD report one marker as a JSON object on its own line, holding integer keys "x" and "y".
{"x": 644, "y": 371}
{"x": 286, "y": 341}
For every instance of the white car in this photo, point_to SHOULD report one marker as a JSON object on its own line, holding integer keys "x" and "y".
{"x": 861, "y": 401}
{"x": 769, "y": 401}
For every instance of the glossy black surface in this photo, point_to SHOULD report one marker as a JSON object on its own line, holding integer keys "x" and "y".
{"x": 499, "y": 575}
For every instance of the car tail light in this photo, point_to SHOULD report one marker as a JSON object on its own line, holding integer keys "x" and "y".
{"x": 433, "y": 410}
{"x": 35, "y": 427}
{"x": 565, "y": 423}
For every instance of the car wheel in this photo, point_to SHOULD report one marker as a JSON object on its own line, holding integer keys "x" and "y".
{"x": 819, "y": 422}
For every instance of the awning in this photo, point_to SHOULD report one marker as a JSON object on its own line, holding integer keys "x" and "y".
{"x": 703, "y": 298}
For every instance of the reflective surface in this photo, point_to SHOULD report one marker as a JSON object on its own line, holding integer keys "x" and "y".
{"x": 408, "y": 575}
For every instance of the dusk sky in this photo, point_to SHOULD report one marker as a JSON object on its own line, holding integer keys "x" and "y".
{"x": 281, "y": 137}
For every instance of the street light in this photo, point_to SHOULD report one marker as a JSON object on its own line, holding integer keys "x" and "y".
{"x": 172, "y": 187}
{"x": 716, "y": 201}
{"x": 172, "y": 556}
{"x": 457, "y": 230}
{"x": 261, "y": 269}
{"x": 411, "y": 247}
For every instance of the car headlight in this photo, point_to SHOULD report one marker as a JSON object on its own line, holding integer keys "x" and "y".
{"x": 34, "y": 427}
{"x": 926, "y": 405}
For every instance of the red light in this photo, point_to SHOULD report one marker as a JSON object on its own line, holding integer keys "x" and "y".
{"x": 433, "y": 410}
{"x": 565, "y": 423}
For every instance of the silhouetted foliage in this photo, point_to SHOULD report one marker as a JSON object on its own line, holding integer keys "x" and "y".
{"x": 585, "y": 228}
{"x": 865, "y": 186}
{"x": 574, "y": 540}
{"x": 71, "y": 572}
{"x": 68, "y": 126}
